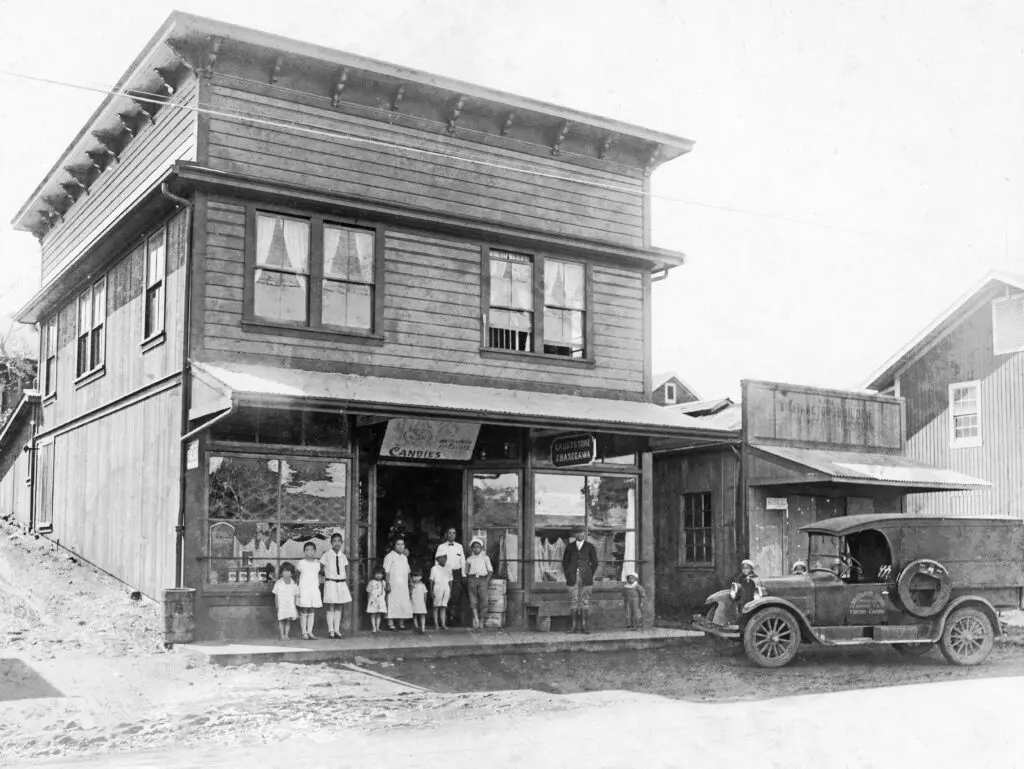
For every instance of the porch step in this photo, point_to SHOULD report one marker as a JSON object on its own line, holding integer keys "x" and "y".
{"x": 444, "y": 645}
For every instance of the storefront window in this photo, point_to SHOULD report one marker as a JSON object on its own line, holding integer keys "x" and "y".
{"x": 286, "y": 427}
{"x": 262, "y": 511}
{"x": 495, "y": 520}
{"x": 605, "y": 504}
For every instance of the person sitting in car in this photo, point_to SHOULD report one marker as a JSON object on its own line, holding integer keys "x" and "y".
{"x": 745, "y": 587}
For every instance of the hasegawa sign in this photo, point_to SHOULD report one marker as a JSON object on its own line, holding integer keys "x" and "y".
{"x": 573, "y": 450}
{"x": 429, "y": 439}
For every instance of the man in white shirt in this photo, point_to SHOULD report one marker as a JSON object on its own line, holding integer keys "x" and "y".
{"x": 456, "y": 565}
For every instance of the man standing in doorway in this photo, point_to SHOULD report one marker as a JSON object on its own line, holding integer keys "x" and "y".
{"x": 456, "y": 565}
{"x": 579, "y": 564}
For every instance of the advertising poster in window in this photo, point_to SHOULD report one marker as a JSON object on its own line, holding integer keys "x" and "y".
{"x": 429, "y": 439}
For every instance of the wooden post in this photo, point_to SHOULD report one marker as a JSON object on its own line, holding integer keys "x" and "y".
{"x": 646, "y": 532}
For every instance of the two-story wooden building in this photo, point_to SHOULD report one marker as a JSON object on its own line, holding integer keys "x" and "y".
{"x": 962, "y": 379}
{"x": 289, "y": 291}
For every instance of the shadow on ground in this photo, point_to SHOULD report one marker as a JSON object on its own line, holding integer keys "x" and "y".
{"x": 695, "y": 673}
{"x": 18, "y": 681}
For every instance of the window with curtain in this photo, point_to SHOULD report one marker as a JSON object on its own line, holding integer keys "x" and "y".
{"x": 282, "y": 268}
{"x": 92, "y": 317}
{"x": 495, "y": 520}
{"x": 263, "y": 509}
{"x": 348, "y": 277}
{"x": 605, "y": 504}
{"x": 565, "y": 306}
{"x": 510, "y": 319}
{"x": 156, "y": 273}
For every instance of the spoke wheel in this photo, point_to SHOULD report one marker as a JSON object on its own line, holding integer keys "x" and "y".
{"x": 913, "y": 650}
{"x": 967, "y": 638}
{"x": 771, "y": 637}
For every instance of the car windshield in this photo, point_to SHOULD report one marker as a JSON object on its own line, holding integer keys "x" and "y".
{"x": 824, "y": 551}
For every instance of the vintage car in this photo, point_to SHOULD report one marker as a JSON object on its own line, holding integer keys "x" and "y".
{"x": 905, "y": 581}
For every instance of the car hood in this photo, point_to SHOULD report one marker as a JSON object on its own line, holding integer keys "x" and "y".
{"x": 794, "y": 584}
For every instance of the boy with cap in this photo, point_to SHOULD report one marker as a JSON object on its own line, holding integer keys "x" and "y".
{"x": 478, "y": 571}
{"x": 633, "y": 594}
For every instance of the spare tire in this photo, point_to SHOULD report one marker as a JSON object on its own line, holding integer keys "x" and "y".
{"x": 924, "y": 587}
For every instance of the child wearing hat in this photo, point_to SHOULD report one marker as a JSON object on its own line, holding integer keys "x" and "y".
{"x": 478, "y": 569}
{"x": 633, "y": 594}
{"x": 799, "y": 567}
{"x": 745, "y": 587}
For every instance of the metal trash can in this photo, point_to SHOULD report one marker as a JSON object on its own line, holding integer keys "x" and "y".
{"x": 179, "y": 615}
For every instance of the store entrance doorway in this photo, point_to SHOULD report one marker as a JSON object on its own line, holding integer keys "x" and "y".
{"x": 419, "y": 504}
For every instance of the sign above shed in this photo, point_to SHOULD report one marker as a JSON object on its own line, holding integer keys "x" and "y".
{"x": 573, "y": 450}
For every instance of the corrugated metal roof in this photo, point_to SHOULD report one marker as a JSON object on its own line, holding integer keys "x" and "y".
{"x": 877, "y": 469}
{"x": 702, "y": 408}
{"x": 386, "y": 395}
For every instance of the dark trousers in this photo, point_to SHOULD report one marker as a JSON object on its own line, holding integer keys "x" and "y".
{"x": 456, "y": 600}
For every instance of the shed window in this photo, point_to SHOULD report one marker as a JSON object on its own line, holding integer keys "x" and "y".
{"x": 1008, "y": 325}
{"x": 156, "y": 274}
{"x": 670, "y": 393}
{"x": 965, "y": 414}
{"x": 519, "y": 284}
{"x": 50, "y": 357}
{"x": 92, "y": 316}
{"x": 697, "y": 533}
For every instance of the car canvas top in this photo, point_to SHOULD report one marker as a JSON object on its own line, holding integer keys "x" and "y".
{"x": 849, "y": 524}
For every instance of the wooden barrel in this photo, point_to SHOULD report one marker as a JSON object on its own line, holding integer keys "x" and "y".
{"x": 179, "y": 615}
{"x": 496, "y": 596}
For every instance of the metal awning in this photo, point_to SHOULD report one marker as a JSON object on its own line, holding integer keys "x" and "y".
{"x": 798, "y": 465}
{"x": 225, "y": 385}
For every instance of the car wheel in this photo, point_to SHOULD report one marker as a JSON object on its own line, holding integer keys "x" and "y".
{"x": 968, "y": 637}
{"x": 771, "y": 637}
{"x": 913, "y": 650}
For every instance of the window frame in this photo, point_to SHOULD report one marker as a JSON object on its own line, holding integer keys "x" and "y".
{"x": 44, "y": 478}
{"x": 969, "y": 441}
{"x": 314, "y": 326}
{"x": 49, "y": 339}
{"x": 86, "y": 342}
{"x": 159, "y": 283}
{"x": 670, "y": 392}
{"x": 708, "y": 518}
{"x": 539, "y": 260}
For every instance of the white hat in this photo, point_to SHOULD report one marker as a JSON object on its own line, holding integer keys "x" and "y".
{"x": 476, "y": 541}
{"x": 631, "y": 574}
{"x": 747, "y": 562}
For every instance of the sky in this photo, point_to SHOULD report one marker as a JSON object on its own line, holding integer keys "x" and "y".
{"x": 855, "y": 168}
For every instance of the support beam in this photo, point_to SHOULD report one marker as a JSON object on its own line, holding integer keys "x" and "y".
{"x": 556, "y": 145}
{"x": 456, "y": 112}
{"x": 339, "y": 86}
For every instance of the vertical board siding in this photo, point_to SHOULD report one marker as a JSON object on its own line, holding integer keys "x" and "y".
{"x": 15, "y": 464}
{"x": 114, "y": 511}
{"x": 146, "y": 157}
{"x": 964, "y": 355}
{"x": 432, "y": 319}
{"x": 331, "y": 152}
{"x": 682, "y": 588}
{"x": 127, "y": 367}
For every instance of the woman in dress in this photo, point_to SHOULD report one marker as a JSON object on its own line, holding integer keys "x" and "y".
{"x": 336, "y": 592}
{"x": 396, "y": 569}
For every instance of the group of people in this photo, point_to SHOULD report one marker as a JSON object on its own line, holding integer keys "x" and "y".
{"x": 398, "y": 593}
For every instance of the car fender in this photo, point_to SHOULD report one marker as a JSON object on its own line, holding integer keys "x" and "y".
{"x": 766, "y": 601}
{"x": 975, "y": 600}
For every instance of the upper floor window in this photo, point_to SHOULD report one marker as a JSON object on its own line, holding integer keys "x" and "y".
{"x": 312, "y": 273}
{"x": 92, "y": 316}
{"x": 156, "y": 274}
{"x": 49, "y": 373}
{"x": 518, "y": 283}
{"x": 670, "y": 393}
{"x": 965, "y": 414}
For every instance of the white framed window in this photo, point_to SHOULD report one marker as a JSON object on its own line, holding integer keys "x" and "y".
{"x": 92, "y": 316}
{"x": 156, "y": 273}
{"x": 670, "y": 393}
{"x": 50, "y": 357}
{"x": 965, "y": 414}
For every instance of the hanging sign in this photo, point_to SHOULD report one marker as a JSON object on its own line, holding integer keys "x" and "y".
{"x": 777, "y": 503}
{"x": 430, "y": 439}
{"x": 573, "y": 450}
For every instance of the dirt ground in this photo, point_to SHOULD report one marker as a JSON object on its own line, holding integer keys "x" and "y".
{"x": 83, "y": 672}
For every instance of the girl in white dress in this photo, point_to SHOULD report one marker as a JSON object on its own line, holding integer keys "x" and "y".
{"x": 309, "y": 590}
{"x": 286, "y": 590}
{"x": 376, "y": 602}
{"x": 419, "y": 603}
{"x": 336, "y": 592}
{"x": 396, "y": 569}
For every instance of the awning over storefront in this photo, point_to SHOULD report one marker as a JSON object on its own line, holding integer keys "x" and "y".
{"x": 785, "y": 465}
{"x": 228, "y": 384}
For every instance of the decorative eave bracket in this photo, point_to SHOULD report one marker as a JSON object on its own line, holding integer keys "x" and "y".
{"x": 339, "y": 86}
{"x": 457, "y": 105}
{"x": 511, "y": 116}
{"x": 275, "y": 73}
{"x": 563, "y": 130}
{"x": 397, "y": 98}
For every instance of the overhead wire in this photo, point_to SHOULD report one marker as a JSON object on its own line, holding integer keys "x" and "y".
{"x": 290, "y": 125}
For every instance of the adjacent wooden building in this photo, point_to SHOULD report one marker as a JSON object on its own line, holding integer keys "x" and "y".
{"x": 963, "y": 382}
{"x": 795, "y": 455}
{"x": 288, "y": 291}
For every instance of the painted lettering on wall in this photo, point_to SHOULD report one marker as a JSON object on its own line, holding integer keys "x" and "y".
{"x": 429, "y": 439}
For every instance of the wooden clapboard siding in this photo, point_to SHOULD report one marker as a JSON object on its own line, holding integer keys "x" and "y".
{"x": 127, "y": 367}
{"x": 146, "y": 158}
{"x": 560, "y": 198}
{"x": 432, "y": 323}
{"x": 965, "y": 355}
{"x": 115, "y": 490}
{"x": 682, "y": 587}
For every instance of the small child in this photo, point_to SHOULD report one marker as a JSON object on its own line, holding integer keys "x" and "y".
{"x": 286, "y": 591}
{"x": 440, "y": 591}
{"x": 376, "y": 601}
{"x": 746, "y": 587}
{"x": 419, "y": 603}
{"x": 633, "y": 594}
{"x": 309, "y": 590}
{"x": 799, "y": 567}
